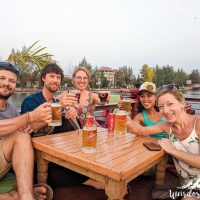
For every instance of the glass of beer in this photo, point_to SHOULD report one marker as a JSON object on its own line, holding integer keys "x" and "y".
{"x": 126, "y": 105}
{"x": 77, "y": 93}
{"x": 89, "y": 141}
{"x": 89, "y": 136}
{"x": 120, "y": 122}
{"x": 56, "y": 114}
{"x": 103, "y": 95}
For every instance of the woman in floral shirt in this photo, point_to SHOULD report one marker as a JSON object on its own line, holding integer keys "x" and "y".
{"x": 88, "y": 100}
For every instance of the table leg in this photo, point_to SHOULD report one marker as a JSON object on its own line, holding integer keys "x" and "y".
{"x": 160, "y": 171}
{"x": 115, "y": 190}
{"x": 42, "y": 167}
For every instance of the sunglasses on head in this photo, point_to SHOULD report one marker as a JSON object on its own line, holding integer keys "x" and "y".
{"x": 165, "y": 87}
{"x": 9, "y": 66}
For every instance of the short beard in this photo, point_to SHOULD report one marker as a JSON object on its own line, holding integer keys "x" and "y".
{"x": 52, "y": 91}
{"x": 5, "y": 97}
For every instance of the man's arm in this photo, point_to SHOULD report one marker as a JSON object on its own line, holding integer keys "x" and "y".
{"x": 41, "y": 114}
{"x": 28, "y": 105}
{"x": 8, "y": 126}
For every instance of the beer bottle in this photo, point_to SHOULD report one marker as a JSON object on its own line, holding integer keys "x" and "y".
{"x": 89, "y": 137}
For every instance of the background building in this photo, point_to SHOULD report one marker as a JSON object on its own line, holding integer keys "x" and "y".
{"x": 106, "y": 77}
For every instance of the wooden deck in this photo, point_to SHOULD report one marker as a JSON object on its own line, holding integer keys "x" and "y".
{"x": 142, "y": 188}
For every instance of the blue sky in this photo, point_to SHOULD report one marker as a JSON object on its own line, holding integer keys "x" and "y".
{"x": 107, "y": 32}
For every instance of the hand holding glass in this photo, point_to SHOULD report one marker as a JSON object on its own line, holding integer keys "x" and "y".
{"x": 77, "y": 94}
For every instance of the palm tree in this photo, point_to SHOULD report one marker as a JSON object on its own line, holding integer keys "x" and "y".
{"x": 30, "y": 60}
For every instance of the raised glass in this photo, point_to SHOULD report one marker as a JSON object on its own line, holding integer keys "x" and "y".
{"x": 56, "y": 114}
{"x": 120, "y": 122}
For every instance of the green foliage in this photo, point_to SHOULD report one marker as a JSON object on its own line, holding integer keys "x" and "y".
{"x": 119, "y": 78}
{"x": 85, "y": 64}
{"x": 147, "y": 73}
{"x": 195, "y": 76}
{"x": 169, "y": 74}
{"x": 30, "y": 60}
{"x": 180, "y": 77}
{"x": 164, "y": 75}
{"x": 104, "y": 82}
{"x": 127, "y": 75}
{"x": 94, "y": 78}
{"x": 68, "y": 82}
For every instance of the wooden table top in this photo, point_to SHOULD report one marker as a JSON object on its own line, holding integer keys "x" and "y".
{"x": 118, "y": 156}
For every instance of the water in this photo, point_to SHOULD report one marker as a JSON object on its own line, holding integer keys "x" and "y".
{"x": 193, "y": 94}
{"x": 17, "y": 98}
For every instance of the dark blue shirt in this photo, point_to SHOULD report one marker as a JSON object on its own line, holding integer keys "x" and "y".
{"x": 33, "y": 101}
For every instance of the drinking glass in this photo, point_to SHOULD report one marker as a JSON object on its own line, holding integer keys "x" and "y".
{"x": 120, "y": 122}
{"x": 126, "y": 105}
{"x": 56, "y": 114}
{"x": 103, "y": 95}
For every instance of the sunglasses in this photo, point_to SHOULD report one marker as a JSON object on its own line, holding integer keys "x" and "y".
{"x": 165, "y": 87}
{"x": 10, "y": 67}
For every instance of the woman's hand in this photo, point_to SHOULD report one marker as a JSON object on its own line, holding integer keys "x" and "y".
{"x": 71, "y": 113}
{"x": 68, "y": 99}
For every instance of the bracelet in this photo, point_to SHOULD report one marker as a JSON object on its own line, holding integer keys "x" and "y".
{"x": 28, "y": 117}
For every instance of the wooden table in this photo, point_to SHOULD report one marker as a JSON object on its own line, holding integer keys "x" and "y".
{"x": 118, "y": 160}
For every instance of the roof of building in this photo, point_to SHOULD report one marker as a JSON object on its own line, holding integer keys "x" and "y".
{"x": 106, "y": 69}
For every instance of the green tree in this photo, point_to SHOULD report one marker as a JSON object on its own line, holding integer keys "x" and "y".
{"x": 84, "y": 63}
{"x": 195, "y": 76}
{"x": 104, "y": 82}
{"x": 119, "y": 78}
{"x": 68, "y": 82}
{"x": 94, "y": 78}
{"x": 180, "y": 77}
{"x": 30, "y": 60}
{"x": 128, "y": 75}
{"x": 168, "y": 74}
{"x": 147, "y": 73}
{"x": 159, "y": 75}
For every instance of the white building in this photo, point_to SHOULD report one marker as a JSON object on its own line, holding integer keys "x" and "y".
{"x": 109, "y": 74}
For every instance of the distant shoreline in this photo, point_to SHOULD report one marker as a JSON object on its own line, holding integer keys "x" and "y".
{"x": 36, "y": 90}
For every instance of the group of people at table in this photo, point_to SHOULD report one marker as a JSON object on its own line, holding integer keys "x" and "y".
{"x": 161, "y": 115}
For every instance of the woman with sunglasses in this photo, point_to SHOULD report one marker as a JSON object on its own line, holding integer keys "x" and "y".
{"x": 149, "y": 114}
{"x": 184, "y": 133}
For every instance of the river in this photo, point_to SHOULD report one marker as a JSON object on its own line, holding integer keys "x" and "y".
{"x": 17, "y": 98}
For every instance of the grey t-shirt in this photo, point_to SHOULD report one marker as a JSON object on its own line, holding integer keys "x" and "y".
{"x": 9, "y": 112}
